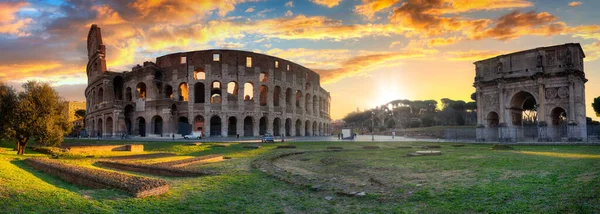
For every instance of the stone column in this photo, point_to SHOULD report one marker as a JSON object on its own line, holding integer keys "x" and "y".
{"x": 224, "y": 124}
{"x": 270, "y": 124}
{"x": 256, "y": 127}
{"x": 239, "y": 125}
{"x": 542, "y": 125}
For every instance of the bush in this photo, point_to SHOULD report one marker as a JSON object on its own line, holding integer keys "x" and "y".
{"x": 96, "y": 178}
{"x": 501, "y": 147}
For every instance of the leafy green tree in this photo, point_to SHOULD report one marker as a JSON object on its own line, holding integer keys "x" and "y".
{"x": 474, "y": 96}
{"x": 36, "y": 115}
{"x": 596, "y": 105}
{"x": 8, "y": 98}
{"x": 80, "y": 114}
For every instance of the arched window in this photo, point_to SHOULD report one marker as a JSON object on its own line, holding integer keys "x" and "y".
{"x": 215, "y": 92}
{"x": 263, "y": 93}
{"x": 232, "y": 90}
{"x": 199, "y": 92}
{"x": 199, "y": 74}
{"x": 276, "y": 95}
{"x": 100, "y": 95}
{"x": 141, "y": 89}
{"x": 264, "y": 77}
{"x": 169, "y": 92}
{"x": 248, "y": 91}
{"x": 183, "y": 92}
{"x": 118, "y": 83}
{"x": 128, "y": 95}
{"x": 298, "y": 98}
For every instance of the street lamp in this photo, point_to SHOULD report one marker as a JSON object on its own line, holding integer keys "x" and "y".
{"x": 372, "y": 126}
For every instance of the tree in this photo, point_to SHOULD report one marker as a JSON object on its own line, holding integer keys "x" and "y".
{"x": 80, "y": 114}
{"x": 596, "y": 105}
{"x": 8, "y": 98}
{"x": 474, "y": 96}
{"x": 36, "y": 114}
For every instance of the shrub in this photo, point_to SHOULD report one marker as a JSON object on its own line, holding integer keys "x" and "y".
{"x": 96, "y": 178}
{"x": 501, "y": 147}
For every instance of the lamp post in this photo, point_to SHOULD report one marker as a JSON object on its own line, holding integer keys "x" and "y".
{"x": 394, "y": 120}
{"x": 372, "y": 126}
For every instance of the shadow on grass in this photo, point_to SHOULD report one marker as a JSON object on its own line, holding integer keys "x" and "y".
{"x": 90, "y": 193}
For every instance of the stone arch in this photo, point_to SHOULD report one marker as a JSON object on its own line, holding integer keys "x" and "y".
{"x": 262, "y": 125}
{"x": 307, "y": 128}
{"x": 215, "y": 125}
{"x": 141, "y": 90}
{"x": 248, "y": 91}
{"x": 315, "y": 106}
{"x": 157, "y": 125}
{"x": 118, "y": 84}
{"x": 100, "y": 95}
{"x": 199, "y": 74}
{"x": 215, "y": 93}
{"x": 199, "y": 92}
{"x": 141, "y": 124}
{"x": 232, "y": 126}
{"x": 128, "y": 94}
{"x": 183, "y": 92}
{"x": 558, "y": 123}
{"x": 307, "y": 105}
{"x": 263, "y": 77}
{"x": 276, "y": 95}
{"x": 276, "y": 126}
{"x": 298, "y": 127}
{"x": 263, "y": 94}
{"x": 169, "y": 92}
{"x": 232, "y": 90}
{"x": 315, "y": 128}
{"x": 99, "y": 127}
{"x": 183, "y": 125}
{"x": 198, "y": 125}
{"x": 248, "y": 126}
{"x": 109, "y": 126}
{"x": 520, "y": 102}
{"x": 493, "y": 119}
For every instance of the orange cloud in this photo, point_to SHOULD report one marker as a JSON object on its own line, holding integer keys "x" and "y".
{"x": 179, "y": 11}
{"x": 41, "y": 70}
{"x": 471, "y": 55}
{"x": 575, "y": 3}
{"x": 369, "y": 7}
{"x": 8, "y": 20}
{"x": 592, "y": 51}
{"x": 461, "y": 6}
{"x": 516, "y": 24}
{"x": 328, "y": 3}
{"x": 443, "y": 41}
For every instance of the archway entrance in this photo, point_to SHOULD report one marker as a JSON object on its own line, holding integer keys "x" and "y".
{"x": 215, "y": 126}
{"x": 558, "y": 126}
{"x": 141, "y": 126}
{"x": 298, "y": 128}
{"x": 262, "y": 126}
{"x": 288, "y": 127}
{"x": 232, "y": 128}
{"x": 248, "y": 127}
{"x": 157, "y": 121}
{"x": 276, "y": 127}
{"x": 523, "y": 111}
{"x": 493, "y": 120}
{"x": 109, "y": 127}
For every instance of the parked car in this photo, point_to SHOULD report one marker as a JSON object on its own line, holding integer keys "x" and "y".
{"x": 193, "y": 135}
{"x": 268, "y": 138}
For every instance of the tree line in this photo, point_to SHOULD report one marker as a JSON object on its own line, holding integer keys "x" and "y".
{"x": 404, "y": 113}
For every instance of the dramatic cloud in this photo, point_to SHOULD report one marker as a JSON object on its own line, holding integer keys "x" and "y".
{"x": 289, "y": 4}
{"x": 516, "y": 24}
{"x": 368, "y": 8}
{"x": 575, "y": 3}
{"x": 592, "y": 51}
{"x": 9, "y": 23}
{"x": 328, "y": 3}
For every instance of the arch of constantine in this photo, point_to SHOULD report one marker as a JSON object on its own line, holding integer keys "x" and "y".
{"x": 216, "y": 92}
{"x": 534, "y": 94}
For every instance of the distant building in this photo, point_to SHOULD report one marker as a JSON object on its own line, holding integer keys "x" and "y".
{"x": 73, "y": 106}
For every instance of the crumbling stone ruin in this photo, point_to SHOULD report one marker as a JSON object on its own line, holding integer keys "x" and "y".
{"x": 538, "y": 92}
{"x": 216, "y": 92}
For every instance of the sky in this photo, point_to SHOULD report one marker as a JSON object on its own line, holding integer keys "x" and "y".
{"x": 368, "y": 52}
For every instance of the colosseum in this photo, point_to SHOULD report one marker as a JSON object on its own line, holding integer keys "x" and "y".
{"x": 215, "y": 92}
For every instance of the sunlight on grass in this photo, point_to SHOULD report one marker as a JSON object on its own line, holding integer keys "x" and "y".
{"x": 560, "y": 155}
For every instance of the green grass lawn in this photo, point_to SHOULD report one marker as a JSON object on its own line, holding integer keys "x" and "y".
{"x": 541, "y": 179}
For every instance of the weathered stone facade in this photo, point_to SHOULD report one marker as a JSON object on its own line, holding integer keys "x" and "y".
{"x": 218, "y": 92}
{"x": 549, "y": 80}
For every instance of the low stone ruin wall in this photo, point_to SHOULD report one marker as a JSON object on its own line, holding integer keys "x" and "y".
{"x": 105, "y": 148}
{"x": 95, "y": 178}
